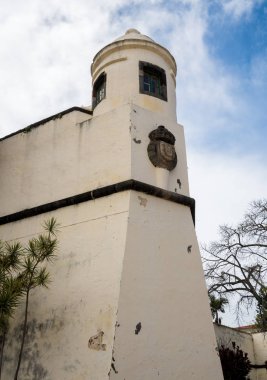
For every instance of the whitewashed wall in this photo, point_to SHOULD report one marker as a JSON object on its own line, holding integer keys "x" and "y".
{"x": 260, "y": 348}
{"x": 254, "y": 344}
{"x": 128, "y": 298}
{"x": 82, "y": 299}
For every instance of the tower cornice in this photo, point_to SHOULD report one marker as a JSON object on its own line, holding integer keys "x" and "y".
{"x": 91, "y": 195}
{"x": 121, "y": 45}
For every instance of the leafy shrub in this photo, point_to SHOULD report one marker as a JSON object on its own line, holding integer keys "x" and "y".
{"x": 235, "y": 363}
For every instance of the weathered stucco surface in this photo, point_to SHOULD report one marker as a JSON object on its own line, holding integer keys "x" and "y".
{"x": 63, "y": 158}
{"x": 82, "y": 298}
{"x": 164, "y": 327}
{"x": 118, "y": 267}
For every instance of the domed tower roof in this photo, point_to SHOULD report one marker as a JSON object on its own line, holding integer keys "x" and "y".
{"x": 134, "y": 34}
{"x": 134, "y": 39}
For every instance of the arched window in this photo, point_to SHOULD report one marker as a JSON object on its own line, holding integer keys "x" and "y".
{"x": 99, "y": 89}
{"x": 152, "y": 80}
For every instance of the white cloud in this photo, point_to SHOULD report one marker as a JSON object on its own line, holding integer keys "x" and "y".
{"x": 223, "y": 186}
{"x": 206, "y": 92}
{"x": 45, "y": 64}
{"x": 45, "y": 59}
{"x": 239, "y": 8}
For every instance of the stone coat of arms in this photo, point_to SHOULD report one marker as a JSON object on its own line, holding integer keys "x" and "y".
{"x": 161, "y": 150}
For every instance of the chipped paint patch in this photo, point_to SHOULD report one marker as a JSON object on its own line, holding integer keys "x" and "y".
{"x": 143, "y": 201}
{"x": 138, "y": 328}
{"x": 96, "y": 342}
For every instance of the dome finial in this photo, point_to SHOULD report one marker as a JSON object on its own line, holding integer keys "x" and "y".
{"x": 132, "y": 30}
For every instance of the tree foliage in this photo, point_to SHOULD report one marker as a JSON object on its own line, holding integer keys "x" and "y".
{"x": 23, "y": 268}
{"x": 235, "y": 363}
{"x": 237, "y": 263}
{"x": 217, "y": 306}
{"x": 11, "y": 287}
{"x": 10, "y": 281}
{"x": 261, "y": 316}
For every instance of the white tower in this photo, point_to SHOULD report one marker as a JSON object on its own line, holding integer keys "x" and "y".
{"x": 128, "y": 300}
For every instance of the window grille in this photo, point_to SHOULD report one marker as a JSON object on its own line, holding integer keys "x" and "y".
{"x": 99, "y": 90}
{"x": 152, "y": 80}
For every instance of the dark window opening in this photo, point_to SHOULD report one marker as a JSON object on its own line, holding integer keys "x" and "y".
{"x": 99, "y": 90}
{"x": 152, "y": 80}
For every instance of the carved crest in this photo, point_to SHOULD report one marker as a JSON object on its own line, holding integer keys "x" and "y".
{"x": 161, "y": 150}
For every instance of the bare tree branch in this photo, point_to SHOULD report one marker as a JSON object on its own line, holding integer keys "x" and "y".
{"x": 237, "y": 263}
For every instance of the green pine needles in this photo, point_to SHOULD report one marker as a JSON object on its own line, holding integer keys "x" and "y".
{"x": 22, "y": 269}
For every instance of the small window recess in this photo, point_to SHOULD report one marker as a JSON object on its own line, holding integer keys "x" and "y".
{"x": 152, "y": 80}
{"x": 99, "y": 90}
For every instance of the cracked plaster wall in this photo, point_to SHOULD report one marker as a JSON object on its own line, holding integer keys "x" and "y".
{"x": 82, "y": 297}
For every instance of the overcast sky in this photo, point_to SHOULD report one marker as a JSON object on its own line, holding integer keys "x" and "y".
{"x": 220, "y": 47}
